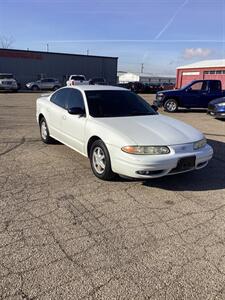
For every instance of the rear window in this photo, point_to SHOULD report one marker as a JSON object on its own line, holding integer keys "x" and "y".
{"x": 79, "y": 78}
{"x": 215, "y": 86}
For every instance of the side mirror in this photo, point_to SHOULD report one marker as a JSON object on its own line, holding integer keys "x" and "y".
{"x": 76, "y": 111}
{"x": 154, "y": 107}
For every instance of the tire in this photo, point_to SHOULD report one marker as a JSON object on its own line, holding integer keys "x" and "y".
{"x": 56, "y": 87}
{"x": 44, "y": 132}
{"x": 170, "y": 105}
{"x": 35, "y": 88}
{"x": 101, "y": 167}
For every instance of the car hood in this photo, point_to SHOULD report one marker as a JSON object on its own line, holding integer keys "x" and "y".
{"x": 169, "y": 92}
{"x": 152, "y": 130}
{"x": 218, "y": 100}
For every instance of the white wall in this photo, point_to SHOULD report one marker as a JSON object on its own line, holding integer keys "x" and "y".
{"x": 128, "y": 77}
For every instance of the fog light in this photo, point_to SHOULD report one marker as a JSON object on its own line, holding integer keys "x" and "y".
{"x": 149, "y": 172}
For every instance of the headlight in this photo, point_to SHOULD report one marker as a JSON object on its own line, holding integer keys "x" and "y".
{"x": 221, "y": 104}
{"x": 147, "y": 150}
{"x": 159, "y": 95}
{"x": 200, "y": 144}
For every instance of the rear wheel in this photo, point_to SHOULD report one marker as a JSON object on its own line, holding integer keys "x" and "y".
{"x": 35, "y": 88}
{"x": 170, "y": 105}
{"x": 45, "y": 132}
{"x": 100, "y": 161}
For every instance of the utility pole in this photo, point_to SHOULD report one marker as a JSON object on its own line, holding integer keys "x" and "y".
{"x": 47, "y": 47}
{"x": 142, "y": 68}
{"x": 88, "y": 51}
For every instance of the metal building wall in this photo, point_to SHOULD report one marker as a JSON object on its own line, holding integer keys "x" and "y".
{"x": 29, "y": 65}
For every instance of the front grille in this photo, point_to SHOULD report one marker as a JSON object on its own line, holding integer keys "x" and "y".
{"x": 7, "y": 82}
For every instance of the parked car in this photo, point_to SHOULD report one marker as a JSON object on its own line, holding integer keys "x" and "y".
{"x": 168, "y": 86}
{"x": 8, "y": 82}
{"x": 99, "y": 81}
{"x": 152, "y": 88}
{"x": 77, "y": 80}
{"x": 120, "y": 133}
{"x": 216, "y": 108}
{"x": 136, "y": 87}
{"x": 197, "y": 94}
{"x": 44, "y": 84}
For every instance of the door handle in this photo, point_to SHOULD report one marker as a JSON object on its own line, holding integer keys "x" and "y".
{"x": 64, "y": 117}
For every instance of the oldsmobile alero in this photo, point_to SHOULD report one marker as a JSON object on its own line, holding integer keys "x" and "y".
{"x": 120, "y": 132}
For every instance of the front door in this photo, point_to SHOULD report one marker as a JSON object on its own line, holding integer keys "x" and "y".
{"x": 56, "y": 112}
{"x": 197, "y": 95}
{"x": 74, "y": 125}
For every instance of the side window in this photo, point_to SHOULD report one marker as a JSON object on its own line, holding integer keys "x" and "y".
{"x": 60, "y": 97}
{"x": 215, "y": 86}
{"x": 199, "y": 86}
{"x": 75, "y": 99}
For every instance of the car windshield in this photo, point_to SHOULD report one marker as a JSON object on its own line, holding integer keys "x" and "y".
{"x": 110, "y": 104}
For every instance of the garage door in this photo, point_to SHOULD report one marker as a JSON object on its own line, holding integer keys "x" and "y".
{"x": 187, "y": 77}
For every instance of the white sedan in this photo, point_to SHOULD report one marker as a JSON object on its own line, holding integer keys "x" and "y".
{"x": 120, "y": 133}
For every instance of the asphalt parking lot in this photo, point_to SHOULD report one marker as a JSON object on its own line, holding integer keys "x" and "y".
{"x": 64, "y": 234}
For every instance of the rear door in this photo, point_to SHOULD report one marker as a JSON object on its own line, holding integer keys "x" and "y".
{"x": 215, "y": 90}
{"x": 46, "y": 84}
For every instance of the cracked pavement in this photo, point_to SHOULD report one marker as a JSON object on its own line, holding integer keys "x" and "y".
{"x": 64, "y": 234}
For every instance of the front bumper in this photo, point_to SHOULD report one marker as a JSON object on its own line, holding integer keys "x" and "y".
{"x": 8, "y": 87}
{"x": 157, "y": 165}
{"x": 216, "y": 112}
{"x": 158, "y": 102}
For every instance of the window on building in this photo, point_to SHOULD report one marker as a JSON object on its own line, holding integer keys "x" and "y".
{"x": 214, "y": 72}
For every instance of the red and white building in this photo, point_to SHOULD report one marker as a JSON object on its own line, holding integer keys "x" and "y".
{"x": 207, "y": 69}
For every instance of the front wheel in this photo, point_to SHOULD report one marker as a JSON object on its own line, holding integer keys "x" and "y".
{"x": 45, "y": 132}
{"x": 170, "y": 105}
{"x": 100, "y": 161}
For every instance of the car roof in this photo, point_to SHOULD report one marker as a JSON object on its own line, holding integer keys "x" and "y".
{"x": 98, "y": 88}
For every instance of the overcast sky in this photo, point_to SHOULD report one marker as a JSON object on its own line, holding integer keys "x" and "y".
{"x": 162, "y": 34}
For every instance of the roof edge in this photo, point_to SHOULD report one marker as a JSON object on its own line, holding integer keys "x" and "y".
{"x": 58, "y": 53}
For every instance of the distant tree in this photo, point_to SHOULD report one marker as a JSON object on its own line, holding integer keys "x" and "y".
{"x": 6, "y": 42}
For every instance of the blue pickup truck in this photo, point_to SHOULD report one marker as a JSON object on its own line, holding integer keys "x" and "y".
{"x": 196, "y": 94}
